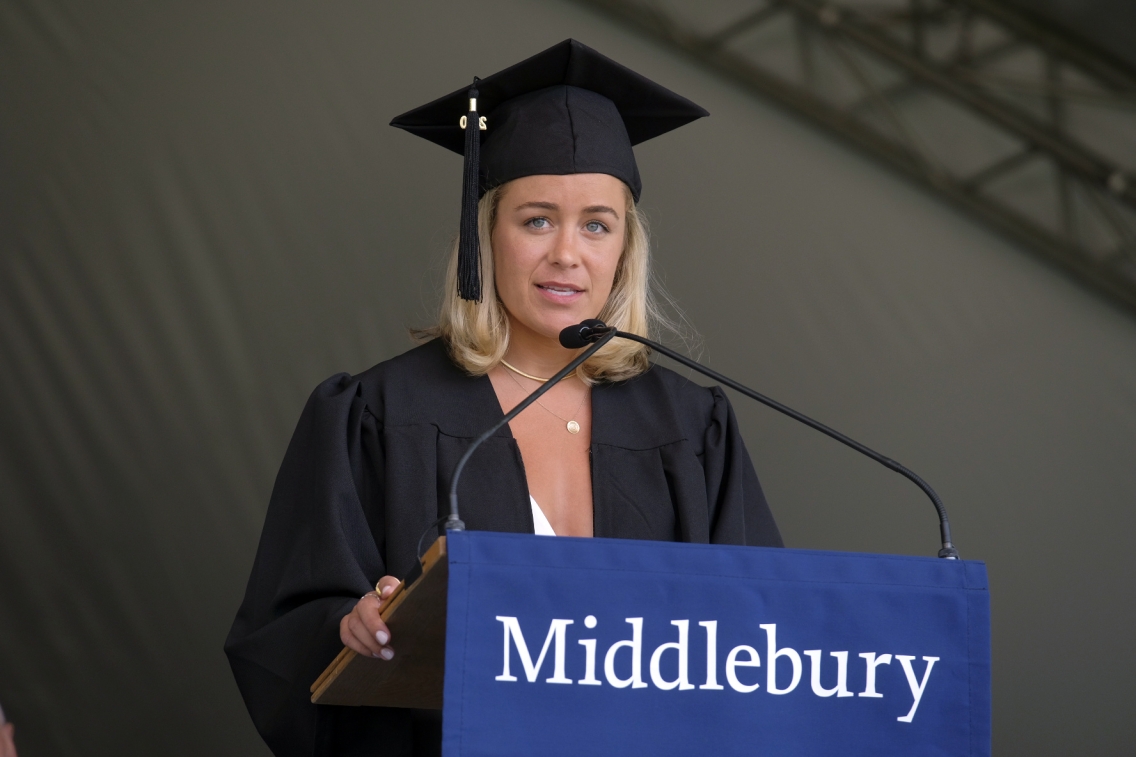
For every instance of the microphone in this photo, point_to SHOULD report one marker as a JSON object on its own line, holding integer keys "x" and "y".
{"x": 594, "y": 330}
{"x": 597, "y": 341}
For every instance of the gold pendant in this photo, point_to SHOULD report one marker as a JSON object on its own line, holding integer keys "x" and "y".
{"x": 573, "y": 427}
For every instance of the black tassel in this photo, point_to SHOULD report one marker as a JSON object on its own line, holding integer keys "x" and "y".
{"x": 469, "y": 244}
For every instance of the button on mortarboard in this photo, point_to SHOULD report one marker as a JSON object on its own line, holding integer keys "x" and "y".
{"x": 563, "y": 111}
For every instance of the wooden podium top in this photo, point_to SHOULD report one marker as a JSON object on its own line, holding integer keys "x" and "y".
{"x": 416, "y": 617}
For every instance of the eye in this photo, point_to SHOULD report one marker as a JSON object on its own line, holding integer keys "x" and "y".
{"x": 540, "y": 222}
{"x": 595, "y": 227}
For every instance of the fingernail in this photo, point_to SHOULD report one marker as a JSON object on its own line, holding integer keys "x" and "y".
{"x": 382, "y": 636}
{"x": 387, "y": 653}
{"x": 374, "y": 655}
{"x": 384, "y": 591}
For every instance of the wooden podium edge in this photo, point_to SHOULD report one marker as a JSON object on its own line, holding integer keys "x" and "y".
{"x": 433, "y": 555}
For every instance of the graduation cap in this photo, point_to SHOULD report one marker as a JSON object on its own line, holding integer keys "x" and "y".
{"x": 563, "y": 111}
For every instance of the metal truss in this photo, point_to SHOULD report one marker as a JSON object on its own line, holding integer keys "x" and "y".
{"x": 1020, "y": 124}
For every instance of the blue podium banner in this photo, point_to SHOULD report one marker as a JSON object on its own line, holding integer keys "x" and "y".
{"x": 560, "y": 646}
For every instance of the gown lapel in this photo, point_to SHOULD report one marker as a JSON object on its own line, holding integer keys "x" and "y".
{"x": 632, "y": 437}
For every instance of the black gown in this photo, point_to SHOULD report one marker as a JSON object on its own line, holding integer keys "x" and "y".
{"x": 367, "y": 472}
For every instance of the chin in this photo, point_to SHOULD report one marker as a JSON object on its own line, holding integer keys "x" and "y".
{"x": 552, "y": 330}
{"x": 551, "y": 326}
{"x": 548, "y": 320}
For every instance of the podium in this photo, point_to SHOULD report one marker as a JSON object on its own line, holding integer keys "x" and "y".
{"x": 416, "y": 616}
{"x": 554, "y": 645}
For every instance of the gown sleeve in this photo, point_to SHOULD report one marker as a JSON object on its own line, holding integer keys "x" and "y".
{"x": 318, "y": 553}
{"x": 739, "y": 513}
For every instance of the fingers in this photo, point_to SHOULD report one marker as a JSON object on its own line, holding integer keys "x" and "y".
{"x": 352, "y": 640}
{"x": 387, "y": 585}
{"x": 373, "y": 637}
{"x": 371, "y": 623}
{"x": 349, "y": 640}
{"x": 363, "y": 629}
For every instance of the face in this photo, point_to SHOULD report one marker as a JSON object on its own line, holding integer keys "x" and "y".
{"x": 557, "y": 243}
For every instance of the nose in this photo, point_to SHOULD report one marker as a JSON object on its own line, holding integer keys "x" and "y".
{"x": 564, "y": 252}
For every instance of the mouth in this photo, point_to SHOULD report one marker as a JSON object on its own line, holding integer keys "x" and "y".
{"x": 559, "y": 291}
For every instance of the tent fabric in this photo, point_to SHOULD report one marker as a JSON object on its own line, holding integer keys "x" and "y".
{"x": 203, "y": 214}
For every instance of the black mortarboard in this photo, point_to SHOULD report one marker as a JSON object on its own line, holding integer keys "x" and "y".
{"x": 565, "y": 110}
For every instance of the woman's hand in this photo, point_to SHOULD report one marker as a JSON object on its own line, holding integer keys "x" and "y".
{"x": 362, "y": 629}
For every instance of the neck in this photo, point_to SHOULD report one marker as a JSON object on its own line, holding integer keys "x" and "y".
{"x": 535, "y": 353}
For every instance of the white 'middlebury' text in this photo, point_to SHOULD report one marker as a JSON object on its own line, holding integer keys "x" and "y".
{"x": 623, "y": 663}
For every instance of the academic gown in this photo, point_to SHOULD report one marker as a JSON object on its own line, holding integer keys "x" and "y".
{"x": 367, "y": 472}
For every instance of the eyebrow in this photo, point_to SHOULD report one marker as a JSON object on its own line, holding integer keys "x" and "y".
{"x": 601, "y": 209}
{"x": 554, "y": 206}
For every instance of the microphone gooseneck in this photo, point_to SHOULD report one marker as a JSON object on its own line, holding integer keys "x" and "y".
{"x": 591, "y": 330}
{"x": 453, "y": 521}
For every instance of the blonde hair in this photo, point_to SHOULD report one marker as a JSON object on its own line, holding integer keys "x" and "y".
{"x": 477, "y": 333}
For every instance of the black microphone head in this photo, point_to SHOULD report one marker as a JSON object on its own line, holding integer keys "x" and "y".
{"x": 573, "y": 337}
{"x": 582, "y": 334}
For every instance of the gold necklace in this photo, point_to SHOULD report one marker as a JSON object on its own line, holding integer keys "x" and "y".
{"x": 519, "y": 372}
{"x": 571, "y": 424}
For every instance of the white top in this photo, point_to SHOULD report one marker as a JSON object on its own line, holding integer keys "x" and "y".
{"x": 541, "y": 526}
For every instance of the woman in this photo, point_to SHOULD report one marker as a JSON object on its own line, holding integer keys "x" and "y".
{"x": 620, "y": 449}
